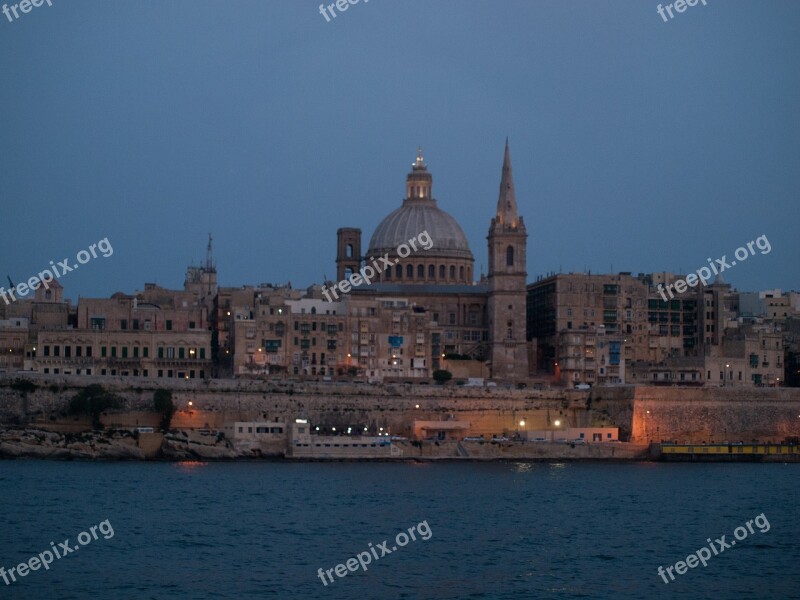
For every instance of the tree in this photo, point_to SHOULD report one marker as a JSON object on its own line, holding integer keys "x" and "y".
{"x": 442, "y": 376}
{"x": 93, "y": 400}
{"x": 163, "y": 405}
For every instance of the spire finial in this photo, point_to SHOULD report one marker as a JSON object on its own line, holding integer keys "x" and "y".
{"x": 420, "y": 161}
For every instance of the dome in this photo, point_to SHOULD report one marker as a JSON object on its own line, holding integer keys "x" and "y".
{"x": 419, "y": 214}
{"x": 414, "y": 217}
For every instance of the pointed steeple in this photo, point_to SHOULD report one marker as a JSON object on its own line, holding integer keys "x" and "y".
{"x": 507, "y": 201}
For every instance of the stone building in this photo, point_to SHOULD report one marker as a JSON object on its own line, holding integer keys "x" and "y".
{"x": 157, "y": 333}
{"x": 693, "y": 338}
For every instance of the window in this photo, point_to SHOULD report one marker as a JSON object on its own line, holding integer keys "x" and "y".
{"x": 124, "y": 352}
{"x": 169, "y": 324}
{"x": 398, "y": 271}
{"x": 113, "y": 351}
{"x": 78, "y": 350}
{"x": 510, "y": 256}
{"x": 441, "y": 271}
{"x": 136, "y": 352}
{"x": 431, "y": 272}
{"x": 181, "y": 352}
{"x": 203, "y": 352}
{"x": 452, "y": 272}
{"x": 47, "y": 350}
{"x": 136, "y": 323}
{"x": 98, "y": 323}
{"x": 103, "y": 351}
{"x": 409, "y": 271}
{"x": 89, "y": 353}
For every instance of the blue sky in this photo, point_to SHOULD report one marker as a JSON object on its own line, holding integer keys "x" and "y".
{"x": 637, "y": 145}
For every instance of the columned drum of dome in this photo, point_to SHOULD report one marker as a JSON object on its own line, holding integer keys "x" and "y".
{"x": 449, "y": 260}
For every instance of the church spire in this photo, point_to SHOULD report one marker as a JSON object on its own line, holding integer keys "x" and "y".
{"x": 507, "y": 201}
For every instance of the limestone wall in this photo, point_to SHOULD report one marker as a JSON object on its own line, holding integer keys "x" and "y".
{"x": 684, "y": 414}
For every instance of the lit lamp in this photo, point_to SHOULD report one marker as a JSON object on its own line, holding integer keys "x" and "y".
{"x": 557, "y": 423}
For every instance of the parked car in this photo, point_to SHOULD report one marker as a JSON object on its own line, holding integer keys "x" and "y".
{"x": 473, "y": 438}
{"x": 540, "y": 439}
{"x": 500, "y": 439}
{"x": 579, "y": 441}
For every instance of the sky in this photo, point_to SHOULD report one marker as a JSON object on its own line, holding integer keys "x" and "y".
{"x": 637, "y": 144}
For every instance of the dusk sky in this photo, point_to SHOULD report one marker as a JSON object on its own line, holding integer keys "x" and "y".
{"x": 637, "y": 144}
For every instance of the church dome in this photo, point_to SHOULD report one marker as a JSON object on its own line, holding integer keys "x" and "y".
{"x": 419, "y": 213}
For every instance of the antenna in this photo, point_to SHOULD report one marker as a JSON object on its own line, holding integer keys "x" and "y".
{"x": 209, "y": 261}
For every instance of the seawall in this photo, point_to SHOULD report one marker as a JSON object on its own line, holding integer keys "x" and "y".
{"x": 643, "y": 413}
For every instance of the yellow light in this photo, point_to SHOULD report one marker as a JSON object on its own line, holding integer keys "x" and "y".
{"x": 558, "y": 423}
{"x": 191, "y": 403}
{"x": 522, "y": 423}
{"x": 416, "y": 406}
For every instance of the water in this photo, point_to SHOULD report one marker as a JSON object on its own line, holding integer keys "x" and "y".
{"x": 262, "y": 530}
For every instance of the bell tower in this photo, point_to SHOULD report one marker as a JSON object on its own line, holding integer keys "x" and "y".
{"x": 507, "y": 277}
{"x": 348, "y": 252}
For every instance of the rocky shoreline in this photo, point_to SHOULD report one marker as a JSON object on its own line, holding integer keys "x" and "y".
{"x": 111, "y": 446}
{"x": 180, "y": 445}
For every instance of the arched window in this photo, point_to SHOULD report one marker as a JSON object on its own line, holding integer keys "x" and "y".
{"x": 348, "y": 272}
{"x": 452, "y": 272}
{"x": 409, "y": 271}
{"x": 431, "y": 272}
{"x": 313, "y": 310}
{"x": 388, "y": 274}
{"x": 510, "y": 256}
{"x": 349, "y": 250}
{"x": 420, "y": 271}
{"x": 441, "y": 272}
{"x": 461, "y": 273}
{"x": 398, "y": 271}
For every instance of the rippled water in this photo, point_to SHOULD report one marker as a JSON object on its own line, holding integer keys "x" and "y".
{"x": 261, "y": 530}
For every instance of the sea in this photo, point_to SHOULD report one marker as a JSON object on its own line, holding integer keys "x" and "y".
{"x": 242, "y": 530}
